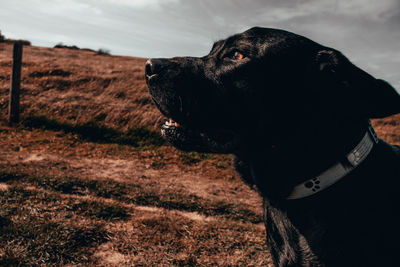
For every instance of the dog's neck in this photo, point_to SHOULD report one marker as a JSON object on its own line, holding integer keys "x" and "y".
{"x": 283, "y": 173}
{"x": 339, "y": 170}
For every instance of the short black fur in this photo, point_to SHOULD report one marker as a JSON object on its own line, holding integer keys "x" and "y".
{"x": 288, "y": 109}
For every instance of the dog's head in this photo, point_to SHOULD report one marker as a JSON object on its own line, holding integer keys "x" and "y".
{"x": 270, "y": 92}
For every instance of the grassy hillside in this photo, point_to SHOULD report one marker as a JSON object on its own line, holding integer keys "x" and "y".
{"x": 80, "y": 86}
{"x": 86, "y": 180}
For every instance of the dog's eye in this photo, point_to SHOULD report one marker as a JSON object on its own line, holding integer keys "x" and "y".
{"x": 237, "y": 56}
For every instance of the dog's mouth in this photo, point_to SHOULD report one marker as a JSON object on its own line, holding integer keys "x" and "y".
{"x": 190, "y": 126}
{"x": 171, "y": 123}
{"x": 206, "y": 140}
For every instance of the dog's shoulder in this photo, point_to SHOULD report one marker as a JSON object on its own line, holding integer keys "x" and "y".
{"x": 396, "y": 150}
{"x": 388, "y": 159}
{"x": 393, "y": 151}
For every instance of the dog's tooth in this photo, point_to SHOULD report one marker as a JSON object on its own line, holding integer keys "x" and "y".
{"x": 171, "y": 122}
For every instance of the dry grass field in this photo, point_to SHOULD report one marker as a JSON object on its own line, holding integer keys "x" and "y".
{"x": 86, "y": 180}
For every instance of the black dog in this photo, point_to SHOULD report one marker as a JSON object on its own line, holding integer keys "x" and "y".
{"x": 295, "y": 115}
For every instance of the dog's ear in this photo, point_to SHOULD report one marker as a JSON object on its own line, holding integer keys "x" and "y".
{"x": 354, "y": 90}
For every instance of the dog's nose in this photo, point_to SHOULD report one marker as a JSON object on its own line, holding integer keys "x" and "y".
{"x": 149, "y": 68}
{"x": 154, "y": 66}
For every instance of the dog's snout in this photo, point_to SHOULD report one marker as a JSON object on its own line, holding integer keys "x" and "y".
{"x": 155, "y": 66}
{"x": 149, "y": 68}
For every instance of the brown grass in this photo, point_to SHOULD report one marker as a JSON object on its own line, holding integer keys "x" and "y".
{"x": 79, "y": 86}
{"x": 85, "y": 179}
{"x": 388, "y": 129}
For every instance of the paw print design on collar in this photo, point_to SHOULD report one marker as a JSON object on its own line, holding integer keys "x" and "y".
{"x": 313, "y": 184}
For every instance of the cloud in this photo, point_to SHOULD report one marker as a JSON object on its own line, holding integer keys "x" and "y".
{"x": 62, "y": 7}
{"x": 140, "y": 3}
{"x": 367, "y": 31}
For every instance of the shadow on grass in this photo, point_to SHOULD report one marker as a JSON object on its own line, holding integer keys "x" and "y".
{"x": 42, "y": 232}
{"x": 100, "y": 210}
{"x": 133, "y": 194}
{"x": 140, "y": 137}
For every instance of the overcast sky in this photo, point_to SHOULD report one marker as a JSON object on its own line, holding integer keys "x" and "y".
{"x": 366, "y": 31}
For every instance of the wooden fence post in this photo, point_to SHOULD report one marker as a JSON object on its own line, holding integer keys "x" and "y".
{"x": 13, "y": 111}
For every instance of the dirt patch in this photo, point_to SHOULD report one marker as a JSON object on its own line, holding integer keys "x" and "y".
{"x": 3, "y": 187}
